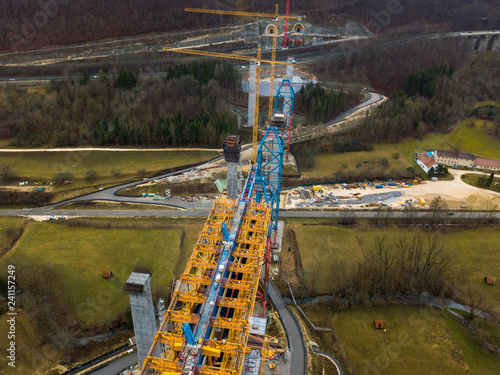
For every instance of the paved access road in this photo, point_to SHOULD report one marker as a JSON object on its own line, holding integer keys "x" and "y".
{"x": 117, "y": 366}
{"x": 298, "y": 350}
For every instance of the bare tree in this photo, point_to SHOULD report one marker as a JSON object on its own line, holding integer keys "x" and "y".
{"x": 438, "y": 207}
{"x": 476, "y": 301}
{"x": 7, "y": 173}
{"x": 90, "y": 175}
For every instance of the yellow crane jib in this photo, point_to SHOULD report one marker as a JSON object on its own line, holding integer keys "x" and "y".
{"x": 190, "y": 51}
{"x": 236, "y": 13}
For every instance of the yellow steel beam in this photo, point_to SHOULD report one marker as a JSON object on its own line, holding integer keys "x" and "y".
{"x": 178, "y": 316}
{"x": 226, "y": 347}
{"x": 207, "y": 370}
{"x": 196, "y": 279}
{"x": 237, "y": 303}
{"x": 189, "y": 297}
{"x": 202, "y": 263}
{"x": 221, "y": 55}
{"x": 237, "y": 285}
{"x": 168, "y": 338}
{"x": 228, "y": 323}
{"x": 236, "y": 13}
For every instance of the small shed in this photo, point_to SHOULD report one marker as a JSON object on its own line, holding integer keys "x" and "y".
{"x": 489, "y": 280}
{"x": 379, "y": 324}
{"x": 107, "y": 274}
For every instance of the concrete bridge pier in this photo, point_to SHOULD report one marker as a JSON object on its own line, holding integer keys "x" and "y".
{"x": 496, "y": 43}
{"x": 481, "y": 44}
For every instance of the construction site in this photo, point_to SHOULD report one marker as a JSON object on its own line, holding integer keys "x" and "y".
{"x": 217, "y": 318}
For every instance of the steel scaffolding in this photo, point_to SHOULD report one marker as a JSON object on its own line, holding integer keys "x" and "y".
{"x": 216, "y": 295}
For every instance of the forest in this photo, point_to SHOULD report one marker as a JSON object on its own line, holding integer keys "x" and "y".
{"x": 431, "y": 100}
{"x": 28, "y": 24}
{"x": 119, "y": 107}
{"x": 318, "y": 104}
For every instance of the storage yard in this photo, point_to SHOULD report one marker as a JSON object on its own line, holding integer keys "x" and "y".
{"x": 394, "y": 194}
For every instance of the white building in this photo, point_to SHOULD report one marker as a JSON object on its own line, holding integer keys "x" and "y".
{"x": 426, "y": 162}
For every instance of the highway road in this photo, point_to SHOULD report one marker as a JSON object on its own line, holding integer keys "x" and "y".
{"x": 44, "y": 212}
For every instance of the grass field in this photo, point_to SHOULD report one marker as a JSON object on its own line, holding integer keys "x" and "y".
{"x": 44, "y": 165}
{"x": 8, "y": 226}
{"x": 327, "y": 250}
{"x": 417, "y": 340}
{"x": 480, "y": 180}
{"x": 471, "y": 135}
{"x": 78, "y": 256}
{"x": 30, "y": 359}
{"x": 328, "y": 164}
{"x": 76, "y": 251}
{"x": 478, "y": 139}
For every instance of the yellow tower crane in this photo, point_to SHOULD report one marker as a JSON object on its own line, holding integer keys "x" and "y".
{"x": 275, "y": 17}
{"x": 258, "y": 60}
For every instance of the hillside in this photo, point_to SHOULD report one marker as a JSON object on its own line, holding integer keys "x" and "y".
{"x": 28, "y": 24}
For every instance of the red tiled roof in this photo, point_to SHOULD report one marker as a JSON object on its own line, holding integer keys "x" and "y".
{"x": 106, "y": 274}
{"x": 487, "y": 162}
{"x": 426, "y": 159}
{"x": 490, "y": 280}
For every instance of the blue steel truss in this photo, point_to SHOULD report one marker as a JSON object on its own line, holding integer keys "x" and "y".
{"x": 268, "y": 174}
{"x": 285, "y": 92}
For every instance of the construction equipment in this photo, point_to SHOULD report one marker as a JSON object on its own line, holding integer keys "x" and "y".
{"x": 206, "y": 327}
{"x": 258, "y": 61}
{"x": 275, "y": 17}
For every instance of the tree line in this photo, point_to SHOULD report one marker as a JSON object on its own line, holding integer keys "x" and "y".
{"x": 26, "y": 24}
{"x": 120, "y": 107}
{"x": 319, "y": 104}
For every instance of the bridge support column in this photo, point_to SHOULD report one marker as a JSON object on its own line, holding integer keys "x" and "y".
{"x": 143, "y": 314}
{"x": 483, "y": 43}
{"x": 496, "y": 43}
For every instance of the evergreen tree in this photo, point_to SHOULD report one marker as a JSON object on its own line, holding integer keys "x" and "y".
{"x": 490, "y": 180}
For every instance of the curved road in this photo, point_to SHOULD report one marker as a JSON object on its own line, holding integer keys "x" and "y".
{"x": 298, "y": 350}
{"x": 374, "y": 98}
{"x": 340, "y": 370}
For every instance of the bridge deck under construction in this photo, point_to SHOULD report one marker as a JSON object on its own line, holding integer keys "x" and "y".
{"x": 216, "y": 295}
